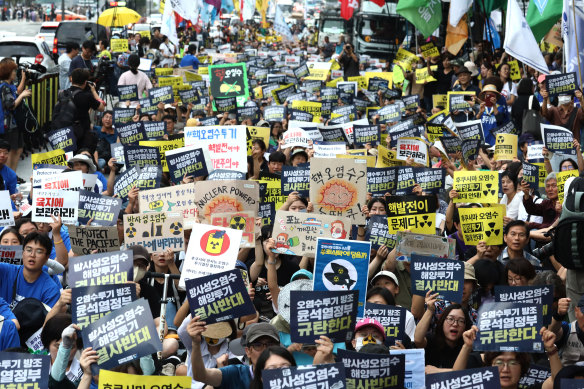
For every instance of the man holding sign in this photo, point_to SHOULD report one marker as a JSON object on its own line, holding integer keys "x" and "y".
{"x": 565, "y": 114}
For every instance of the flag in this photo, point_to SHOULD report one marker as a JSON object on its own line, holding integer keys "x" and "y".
{"x": 168, "y": 26}
{"x": 187, "y": 9}
{"x": 425, "y": 15}
{"x": 281, "y": 27}
{"x": 214, "y": 3}
{"x": 348, "y": 7}
{"x": 262, "y": 6}
{"x": 573, "y": 47}
{"x": 227, "y": 5}
{"x": 490, "y": 34}
{"x": 458, "y": 8}
{"x": 456, "y": 36}
{"x": 488, "y": 6}
{"x": 542, "y": 15}
{"x": 380, "y": 3}
{"x": 248, "y": 9}
{"x": 519, "y": 40}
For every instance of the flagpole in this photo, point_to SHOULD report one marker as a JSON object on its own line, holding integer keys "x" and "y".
{"x": 576, "y": 36}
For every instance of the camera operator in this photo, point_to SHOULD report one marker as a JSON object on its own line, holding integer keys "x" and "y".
{"x": 83, "y": 61}
{"x": 84, "y": 100}
{"x": 349, "y": 62}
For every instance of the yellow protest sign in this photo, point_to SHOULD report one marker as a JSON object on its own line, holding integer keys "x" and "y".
{"x": 368, "y": 159}
{"x": 482, "y": 224}
{"x": 334, "y": 64}
{"x": 476, "y": 186}
{"x": 274, "y": 193}
{"x": 163, "y": 146}
{"x": 190, "y": 76}
{"x": 414, "y": 213}
{"x": 434, "y": 132}
{"x": 562, "y": 177}
{"x": 386, "y": 157}
{"x": 384, "y": 75}
{"x": 430, "y": 50}
{"x": 203, "y": 70}
{"x": 205, "y": 59}
{"x": 333, "y": 83}
{"x": 514, "y": 72}
{"x": 258, "y": 92}
{"x": 163, "y": 71}
{"x": 119, "y": 45}
{"x": 111, "y": 379}
{"x": 398, "y": 75}
{"x": 405, "y": 59}
{"x": 173, "y": 81}
{"x": 262, "y": 133}
{"x": 53, "y": 157}
{"x": 423, "y": 76}
{"x": 505, "y": 147}
{"x": 144, "y": 34}
{"x": 439, "y": 101}
{"x": 310, "y": 107}
{"x": 542, "y": 173}
{"x": 361, "y": 81}
{"x": 357, "y": 152}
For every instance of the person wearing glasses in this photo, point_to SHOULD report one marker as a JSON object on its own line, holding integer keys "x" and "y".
{"x": 511, "y": 365}
{"x": 519, "y": 272}
{"x": 259, "y": 336}
{"x": 275, "y": 357}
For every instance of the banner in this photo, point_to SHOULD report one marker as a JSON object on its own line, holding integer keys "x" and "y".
{"x": 560, "y": 84}
{"x": 342, "y": 265}
{"x": 86, "y": 239}
{"x": 562, "y": 177}
{"x": 219, "y": 297}
{"x": 476, "y": 187}
{"x": 373, "y": 370}
{"x": 53, "y": 157}
{"x": 505, "y": 147}
{"x": 186, "y": 161}
{"x": 482, "y": 224}
{"x": 90, "y": 303}
{"x": 226, "y": 145}
{"x": 541, "y": 295}
{"x": 413, "y": 213}
{"x": 101, "y": 269}
{"x": 229, "y": 80}
{"x": 392, "y": 318}
{"x": 557, "y": 139}
{"x": 226, "y": 196}
{"x": 244, "y": 221}
{"x": 109, "y": 379}
{"x": 176, "y": 201}
{"x": 378, "y": 232}
{"x": 509, "y": 327}
{"x": 21, "y": 370}
{"x": 484, "y": 377}
{"x": 131, "y": 133}
{"x": 414, "y": 148}
{"x": 296, "y": 179}
{"x": 63, "y": 138}
{"x": 47, "y": 203}
{"x": 439, "y": 275}
{"x": 128, "y": 92}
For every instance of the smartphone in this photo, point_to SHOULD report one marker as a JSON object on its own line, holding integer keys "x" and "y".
{"x": 468, "y": 97}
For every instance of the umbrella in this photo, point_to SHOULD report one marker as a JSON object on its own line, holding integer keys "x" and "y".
{"x": 118, "y": 17}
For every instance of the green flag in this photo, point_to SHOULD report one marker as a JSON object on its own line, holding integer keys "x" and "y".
{"x": 542, "y": 15}
{"x": 426, "y": 15}
{"x": 487, "y": 6}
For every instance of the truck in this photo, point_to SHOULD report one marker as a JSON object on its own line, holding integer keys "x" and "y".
{"x": 332, "y": 25}
{"x": 378, "y": 31}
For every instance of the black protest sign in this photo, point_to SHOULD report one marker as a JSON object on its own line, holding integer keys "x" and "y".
{"x": 412, "y": 102}
{"x": 381, "y": 180}
{"x": 124, "y": 335}
{"x": 226, "y": 105}
{"x": 131, "y": 133}
{"x": 296, "y": 179}
{"x": 509, "y": 327}
{"x": 373, "y": 370}
{"x": 102, "y": 210}
{"x": 329, "y": 313}
{"x": 274, "y": 113}
{"x": 302, "y": 116}
{"x": 21, "y": 370}
{"x": 301, "y": 377}
{"x": 154, "y": 130}
{"x": 281, "y": 94}
{"x": 507, "y": 128}
{"x": 128, "y": 92}
{"x": 392, "y": 318}
{"x": 440, "y": 275}
{"x": 219, "y": 297}
{"x": 149, "y": 177}
{"x": 101, "y": 269}
{"x": 531, "y": 175}
{"x": 141, "y": 156}
{"x": 389, "y": 113}
{"x": 63, "y": 138}
{"x": 536, "y": 374}
{"x": 541, "y": 295}
{"x": 470, "y": 150}
{"x": 243, "y": 113}
{"x": 90, "y": 303}
{"x": 405, "y": 180}
{"x": 376, "y": 84}
{"x": 268, "y": 88}
{"x": 333, "y": 133}
{"x": 86, "y": 239}
{"x": 559, "y": 84}
{"x": 301, "y": 71}
{"x": 123, "y": 115}
{"x": 126, "y": 181}
{"x": 189, "y": 96}
{"x": 431, "y": 180}
{"x": 209, "y": 121}
{"x": 484, "y": 377}
{"x": 557, "y": 139}
{"x": 225, "y": 175}
{"x": 471, "y": 130}
{"x": 276, "y": 78}
{"x": 457, "y": 101}
{"x": 398, "y": 132}
{"x": 360, "y": 104}
{"x": 267, "y": 212}
{"x": 147, "y": 107}
{"x": 329, "y": 94}
{"x": 340, "y": 120}
{"x": 452, "y": 143}
{"x": 162, "y": 94}
{"x": 186, "y": 162}
{"x": 228, "y": 80}
{"x": 11, "y": 254}
{"x": 377, "y": 232}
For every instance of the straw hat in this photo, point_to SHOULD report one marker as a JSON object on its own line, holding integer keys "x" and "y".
{"x": 489, "y": 88}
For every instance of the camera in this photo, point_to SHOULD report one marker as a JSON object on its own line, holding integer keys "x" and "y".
{"x": 547, "y": 249}
{"x": 33, "y": 72}
{"x": 104, "y": 69}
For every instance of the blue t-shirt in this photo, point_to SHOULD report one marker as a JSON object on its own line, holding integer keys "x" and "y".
{"x": 110, "y": 138}
{"x": 235, "y": 376}
{"x": 9, "y": 335}
{"x": 9, "y": 179}
{"x": 66, "y": 241}
{"x": 43, "y": 289}
{"x": 190, "y": 60}
{"x": 102, "y": 179}
{"x": 5, "y": 310}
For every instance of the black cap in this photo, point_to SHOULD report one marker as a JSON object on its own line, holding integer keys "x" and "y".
{"x": 463, "y": 69}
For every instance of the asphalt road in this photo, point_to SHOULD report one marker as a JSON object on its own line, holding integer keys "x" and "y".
{"x": 21, "y": 28}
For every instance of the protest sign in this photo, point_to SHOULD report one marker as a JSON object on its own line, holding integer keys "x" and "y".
{"x": 155, "y": 231}
{"x": 557, "y": 139}
{"x": 334, "y": 133}
{"x": 219, "y": 297}
{"x": 86, "y": 239}
{"x": 53, "y": 157}
{"x": 342, "y": 265}
{"x": 312, "y": 315}
{"x": 296, "y": 233}
{"x": 175, "y": 200}
{"x": 227, "y": 105}
{"x": 141, "y": 156}
{"x": 328, "y": 149}
{"x": 392, "y": 318}
{"x": 63, "y": 181}
{"x": 124, "y": 335}
{"x": 21, "y": 370}
{"x": 42, "y": 171}
{"x": 6, "y": 215}
{"x": 470, "y": 150}
{"x": 413, "y": 213}
{"x": 406, "y": 128}
{"x": 562, "y": 177}
{"x": 298, "y": 377}
{"x": 154, "y": 129}
{"x": 414, "y": 148}
{"x": 408, "y": 243}
{"x": 509, "y": 327}
{"x": 301, "y": 71}
{"x": 386, "y": 157}
{"x": 274, "y": 113}
{"x": 472, "y": 129}
{"x": 338, "y": 187}
{"x": 440, "y": 101}
{"x": 482, "y": 224}
{"x": 244, "y": 221}
{"x": 109, "y": 379}
{"x": 560, "y": 84}
{"x": 476, "y": 186}
{"x": 226, "y": 196}
{"x": 163, "y": 146}
{"x": 295, "y": 137}
{"x": 118, "y": 45}
{"x": 505, "y": 147}
{"x": 11, "y": 254}
{"x": 296, "y": 179}
{"x": 431, "y": 180}
{"x": 299, "y": 115}
{"x": 507, "y": 128}
{"x": 389, "y": 113}
{"x": 281, "y": 94}
{"x": 128, "y": 92}
{"x": 254, "y": 133}
{"x": 373, "y": 370}
{"x": 101, "y": 269}
{"x": 363, "y": 134}
{"x": 215, "y": 251}
{"x": 405, "y": 180}
{"x": 531, "y": 175}
{"x": 378, "y": 232}
{"x": 381, "y": 180}
{"x": 459, "y": 101}
{"x": 226, "y": 145}
{"x": 310, "y": 107}
{"x": 229, "y": 80}
{"x": 131, "y": 133}
{"x": 429, "y": 50}
{"x": 535, "y": 152}
{"x": 49, "y": 202}
{"x": 123, "y": 115}
{"x": 162, "y": 94}
{"x": 225, "y": 175}
{"x": 542, "y": 295}
{"x": 439, "y": 275}
{"x": 376, "y": 84}
{"x": 147, "y": 107}
{"x": 405, "y": 59}
{"x": 189, "y": 96}
{"x": 126, "y": 181}
{"x": 186, "y": 162}
{"x": 484, "y": 377}
{"x": 63, "y": 138}
{"x": 536, "y": 374}
{"x": 452, "y": 144}
{"x": 90, "y": 303}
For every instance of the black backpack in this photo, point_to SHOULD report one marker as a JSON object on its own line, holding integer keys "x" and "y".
{"x": 568, "y": 240}
{"x": 65, "y": 110}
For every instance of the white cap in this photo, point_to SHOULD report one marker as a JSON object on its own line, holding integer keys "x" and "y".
{"x": 385, "y": 273}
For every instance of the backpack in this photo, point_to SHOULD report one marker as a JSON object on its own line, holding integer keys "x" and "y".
{"x": 568, "y": 239}
{"x": 531, "y": 121}
{"x": 3, "y": 126}
{"x": 65, "y": 110}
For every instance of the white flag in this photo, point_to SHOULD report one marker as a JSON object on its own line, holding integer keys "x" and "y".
{"x": 248, "y": 9}
{"x": 188, "y": 9}
{"x": 281, "y": 27}
{"x": 519, "y": 40}
{"x": 168, "y": 26}
{"x": 572, "y": 50}
{"x": 458, "y": 8}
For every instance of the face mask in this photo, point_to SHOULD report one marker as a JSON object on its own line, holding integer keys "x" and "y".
{"x": 139, "y": 273}
{"x": 362, "y": 341}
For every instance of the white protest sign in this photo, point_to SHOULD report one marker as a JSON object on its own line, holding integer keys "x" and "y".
{"x": 69, "y": 180}
{"x": 49, "y": 202}
{"x": 6, "y": 216}
{"x": 295, "y": 137}
{"x": 227, "y": 145}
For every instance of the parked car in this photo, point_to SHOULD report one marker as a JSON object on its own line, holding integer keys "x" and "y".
{"x": 76, "y": 32}
{"x": 47, "y": 32}
{"x": 69, "y": 16}
{"x": 28, "y": 50}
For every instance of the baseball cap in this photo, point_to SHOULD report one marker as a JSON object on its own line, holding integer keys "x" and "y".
{"x": 258, "y": 330}
{"x": 385, "y": 273}
{"x": 301, "y": 272}
{"x": 366, "y": 322}
{"x": 140, "y": 253}
{"x": 541, "y": 78}
{"x": 240, "y": 265}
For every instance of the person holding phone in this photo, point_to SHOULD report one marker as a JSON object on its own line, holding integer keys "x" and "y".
{"x": 349, "y": 62}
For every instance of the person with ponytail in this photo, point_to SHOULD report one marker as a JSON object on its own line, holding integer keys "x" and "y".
{"x": 135, "y": 76}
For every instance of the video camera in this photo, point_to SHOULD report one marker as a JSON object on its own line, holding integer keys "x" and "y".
{"x": 103, "y": 70}
{"x": 33, "y": 71}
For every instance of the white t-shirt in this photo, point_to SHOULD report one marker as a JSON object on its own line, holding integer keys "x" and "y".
{"x": 167, "y": 49}
{"x": 515, "y": 205}
{"x": 508, "y": 91}
{"x": 140, "y": 79}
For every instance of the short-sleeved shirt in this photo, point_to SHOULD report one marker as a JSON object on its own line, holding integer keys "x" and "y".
{"x": 10, "y": 180}
{"x": 43, "y": 289}
{"x": 235, "y": 376}
{"x": 190, "y": 60}
{"x": 8, "y": 334}
{"x": 84, "y": 101}
{"x": 80, "y": 63}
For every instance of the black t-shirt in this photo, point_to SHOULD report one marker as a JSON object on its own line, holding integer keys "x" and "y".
{"x": 443, "y": 356}
{"x": 285, "y": 271}
{"x": 151, "y": 295}
{"x": 84, "y": 101}
{"x": 350, "y": 66}
{"x": 80, "y": 63}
